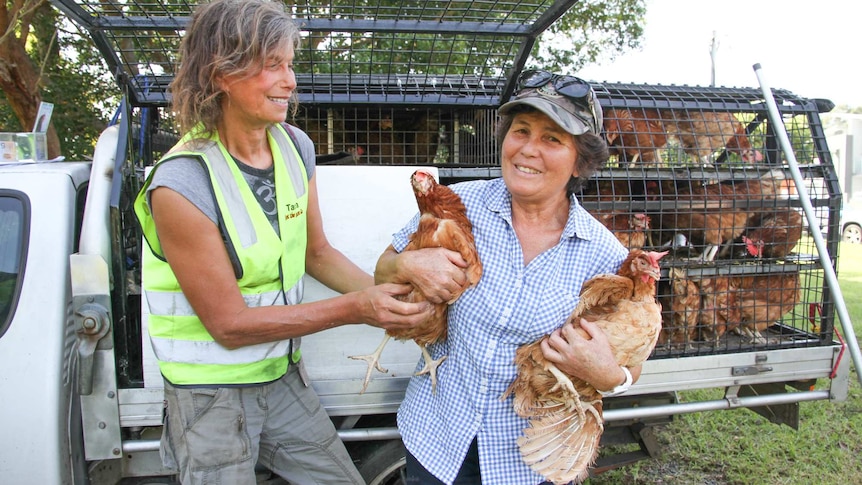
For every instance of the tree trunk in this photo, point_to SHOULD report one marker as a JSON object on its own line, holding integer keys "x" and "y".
{"x": 19, "y": 78}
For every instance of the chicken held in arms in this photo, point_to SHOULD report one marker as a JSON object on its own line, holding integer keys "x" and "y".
{"x": 443, "y": 223}
{"x": 564, "y": 412}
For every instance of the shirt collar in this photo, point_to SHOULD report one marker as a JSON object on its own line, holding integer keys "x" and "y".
{"x": 499, "y": 200}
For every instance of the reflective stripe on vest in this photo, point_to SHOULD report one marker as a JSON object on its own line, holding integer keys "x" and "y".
{"x": 175, "y": 303}
{"x": 223, "y": 174}
{"x": 186, "y": 352}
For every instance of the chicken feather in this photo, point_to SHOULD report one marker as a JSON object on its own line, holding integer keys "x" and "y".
{"x": 764, "y": 299}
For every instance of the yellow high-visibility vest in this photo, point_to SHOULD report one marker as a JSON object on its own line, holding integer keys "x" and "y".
{"x": 269, "y": 267}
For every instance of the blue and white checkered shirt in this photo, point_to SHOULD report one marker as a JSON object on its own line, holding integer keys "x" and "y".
{"x": 512, "y": 305}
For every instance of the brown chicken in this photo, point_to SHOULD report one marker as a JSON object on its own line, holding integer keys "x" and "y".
{"x": 719, "y": 310}
{"x": 764, "y": 299}
{"x": 680, "y": 300}
{"x": 443, "y": 223}
{"x": 635, "y": 136}
{"x": 565, "y": 413}
{"x": 773, "y": 234}
{"x": 702, "y": 133}
{"x": 630, "y": 229}
{"x": 716, "y": 214}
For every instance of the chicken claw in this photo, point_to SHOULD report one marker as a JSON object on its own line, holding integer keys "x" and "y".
{"x": 563, "y": 381}
{"x": 373, "y": 360}
{"x": 431, "y": 368}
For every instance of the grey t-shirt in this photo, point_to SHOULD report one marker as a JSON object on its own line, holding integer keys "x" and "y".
{"x": 186, "y": 176}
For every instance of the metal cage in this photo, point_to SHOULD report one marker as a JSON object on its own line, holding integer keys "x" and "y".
{"x": 420, "y": 84}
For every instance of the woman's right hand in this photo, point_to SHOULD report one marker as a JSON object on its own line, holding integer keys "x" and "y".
{"x": 436, "y": 272}
{"x": 382, "y": 309}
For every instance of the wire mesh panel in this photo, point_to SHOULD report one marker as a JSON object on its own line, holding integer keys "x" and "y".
{"x": 698, "y": 172}
{"x": 393, "y": 51}
{"x": 695, "y": 171}
{"x": 387, "y": 135}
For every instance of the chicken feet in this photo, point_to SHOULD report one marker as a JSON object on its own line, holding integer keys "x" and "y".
{"x": 430, "y": 367}
{"x": 563, "y": 381}
{"x": 373, "y": 360}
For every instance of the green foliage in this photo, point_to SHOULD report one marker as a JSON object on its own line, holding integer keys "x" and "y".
{"x": 741, "y": 447}
{"x": 590, "y": 30}
{"x": 74, "y": 78}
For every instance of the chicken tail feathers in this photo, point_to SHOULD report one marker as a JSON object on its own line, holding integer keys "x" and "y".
{"x": 562, "y": 446}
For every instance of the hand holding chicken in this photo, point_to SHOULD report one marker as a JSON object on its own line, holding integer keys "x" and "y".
{"x": 565, "y": 412}
{"x": 443, "y": 223}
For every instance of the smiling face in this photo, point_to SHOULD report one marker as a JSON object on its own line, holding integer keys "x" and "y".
{"x": 260, "y": 99}
{"x": 538, "y": 158}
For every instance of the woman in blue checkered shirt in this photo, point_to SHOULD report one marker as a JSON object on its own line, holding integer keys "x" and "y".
{"x": 537, "y": 246}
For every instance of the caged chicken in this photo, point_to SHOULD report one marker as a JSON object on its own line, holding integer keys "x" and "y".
{"x": 443, "y": 223}
{"x": 680, "y": 301}
{"x": 719, "y": 310}
{"x": 629, "y": 228}
{"x": 565, "y": 413}
{"x": 714, "y": 215}
{"x": 635, "y": 136}
{"x": 609, "y": 190}
{"x": 702, "y": 133}
{"x": 764, "y": 299}
{"x": 772, "y": 234}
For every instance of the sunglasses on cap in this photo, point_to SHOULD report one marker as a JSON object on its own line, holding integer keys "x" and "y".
{"x": 579, "y": 92}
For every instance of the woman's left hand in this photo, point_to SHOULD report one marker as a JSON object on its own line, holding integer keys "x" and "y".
{"x": 584, "y": 353}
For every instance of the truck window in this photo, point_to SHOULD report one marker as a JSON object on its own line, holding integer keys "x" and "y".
{"x": 14, "y": 234}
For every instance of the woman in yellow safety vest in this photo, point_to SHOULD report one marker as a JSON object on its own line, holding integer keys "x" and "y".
{"x": 232, "y": 222}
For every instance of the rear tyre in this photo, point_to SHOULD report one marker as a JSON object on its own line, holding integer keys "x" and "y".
{"x": 383, "y": 463}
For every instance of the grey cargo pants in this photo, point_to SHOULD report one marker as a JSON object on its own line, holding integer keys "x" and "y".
{"x": 216, "y": 435}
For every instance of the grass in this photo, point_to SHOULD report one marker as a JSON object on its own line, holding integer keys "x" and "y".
{"x": 740, "y": 447}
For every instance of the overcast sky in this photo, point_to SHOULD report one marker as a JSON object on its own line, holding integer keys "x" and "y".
{"x": 809, "y": 48}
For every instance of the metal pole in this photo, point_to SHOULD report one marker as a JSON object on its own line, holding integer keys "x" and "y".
{"x": 825, "y": 261}
{"x": 719, "y": 404}
{"x": 713, "y": 50}
{"x": 365, "y": 434}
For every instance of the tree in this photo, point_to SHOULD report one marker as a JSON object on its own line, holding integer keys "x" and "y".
{"x": 589, "y": 30}
{"x": 19, "y": 76}
{"x": 40, "y": 61}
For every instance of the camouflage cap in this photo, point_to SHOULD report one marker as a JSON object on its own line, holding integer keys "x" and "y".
{"x": 576, "y": 116}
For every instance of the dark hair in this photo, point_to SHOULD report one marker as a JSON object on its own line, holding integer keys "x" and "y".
{"x": 226, "y": 37}
{"x": 592, "y": 149}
